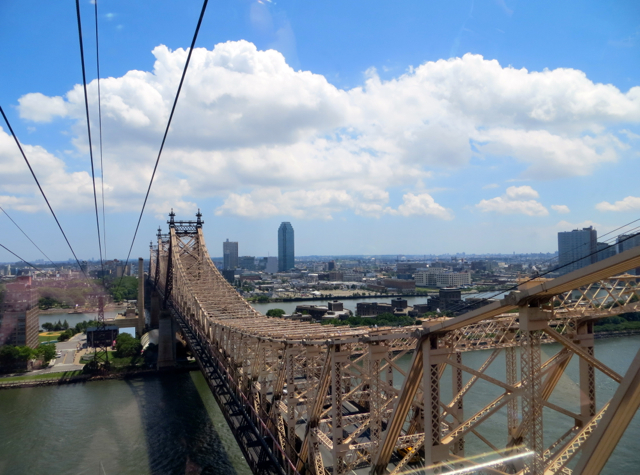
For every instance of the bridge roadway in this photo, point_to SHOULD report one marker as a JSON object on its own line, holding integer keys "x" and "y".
{"x": 307, "y": 398}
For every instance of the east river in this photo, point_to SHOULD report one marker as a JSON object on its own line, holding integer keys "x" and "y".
{"x": 172, "y": 425}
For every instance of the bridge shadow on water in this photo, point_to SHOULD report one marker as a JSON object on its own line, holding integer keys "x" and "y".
{"x": 180, "y": 435}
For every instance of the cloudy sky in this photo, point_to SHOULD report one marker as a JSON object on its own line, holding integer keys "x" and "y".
{"x": 373, "y": 127}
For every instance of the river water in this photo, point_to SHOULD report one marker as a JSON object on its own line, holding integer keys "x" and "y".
{"x": 171, "y": 424}
{"x": 159, "y": 425}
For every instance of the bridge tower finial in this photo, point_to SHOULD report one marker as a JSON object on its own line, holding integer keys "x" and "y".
{"x": 159, "y": 235}
{"x": 199, "y": 222}
{"x": 172, "y": 221}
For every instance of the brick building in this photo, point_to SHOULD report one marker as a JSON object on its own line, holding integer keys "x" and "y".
{"x": 19, "y": 323}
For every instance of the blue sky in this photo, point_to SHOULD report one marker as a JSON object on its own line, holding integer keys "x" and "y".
{"x": 373, "y": 127}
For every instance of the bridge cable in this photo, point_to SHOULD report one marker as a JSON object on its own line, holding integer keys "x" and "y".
{"x": 164, "y": 138}
{"x": 41, "y": 190}
{"x": 104, "y": 216}
{"x": 86, "y": 107}
{"x": 554, "y": 269}
{"x": 29, "y": 264}
{"x": 27, "y": 236}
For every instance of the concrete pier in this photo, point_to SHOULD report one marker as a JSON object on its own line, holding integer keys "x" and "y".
{"x": 166, "y": 341}
{"x": 141, "y": 318}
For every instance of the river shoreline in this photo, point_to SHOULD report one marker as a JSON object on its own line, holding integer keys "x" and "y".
{"x": 352, "y": 297}
{"x": 70, "y": 311}
{"x": 83, "y": 378}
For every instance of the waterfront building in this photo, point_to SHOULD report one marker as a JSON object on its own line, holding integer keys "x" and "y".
{"x": 576, "y": 249}
{"x": 399, "y": 284}
{"x": 437, "y": 277}
{"x": 286, "y": 251}
{"x": 229, "y": 255}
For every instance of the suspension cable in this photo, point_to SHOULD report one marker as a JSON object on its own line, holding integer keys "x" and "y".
{"x": 41, "y": 190}
{"x": 164, "y": 138}
{"x": 86, "y": 108}
{"x": 104, "y": 216}
{"x": 27, "y": 236}
{"x": 29, "y": 264}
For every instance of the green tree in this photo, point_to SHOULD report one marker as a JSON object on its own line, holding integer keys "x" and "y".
{"x": 65, "y": 335}
{"x": 126, "y": 345}
{"x": 125, "y": 288}
{"x": 10, "y": 354}
{"x": 47, "y": 326}
{"x": 47, "y": 352}
{"x": 275, "y": 312}
{"x": 47, "y": 302}
{"x": 65, "y": 325}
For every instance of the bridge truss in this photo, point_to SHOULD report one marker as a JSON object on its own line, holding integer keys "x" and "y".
{"x": 324, "y": 399}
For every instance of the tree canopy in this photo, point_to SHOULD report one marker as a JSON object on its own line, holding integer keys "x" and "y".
{"x": 126, "y": 345}
{"x": 275, "y": 312}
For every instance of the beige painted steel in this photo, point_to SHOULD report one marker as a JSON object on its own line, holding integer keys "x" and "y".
{"x": 327, "y": 392}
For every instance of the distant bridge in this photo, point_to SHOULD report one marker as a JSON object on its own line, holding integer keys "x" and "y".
{"x": 308, "y": 398}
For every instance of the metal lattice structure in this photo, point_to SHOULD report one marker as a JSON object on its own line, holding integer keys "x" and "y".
{"x": 339, "y": 400}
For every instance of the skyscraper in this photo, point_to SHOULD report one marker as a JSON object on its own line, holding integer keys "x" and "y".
{"x": 576, "y": 249}
{"x": 285, "y": 247}
{"x": 230, "y": 255}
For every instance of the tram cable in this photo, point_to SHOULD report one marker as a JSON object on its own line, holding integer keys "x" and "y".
{"x": 104, "y": 216}
{"x": 27, "y": 236}
{"x": 9, "y": 250}
{"x": 164, "y": 138}
{"x": 86, "y": 108}
{"x": 41, "y": 190}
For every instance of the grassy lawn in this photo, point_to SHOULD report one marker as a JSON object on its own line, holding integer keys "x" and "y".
{"x": 66, "y": 374}
{"x": 48, "y": 336}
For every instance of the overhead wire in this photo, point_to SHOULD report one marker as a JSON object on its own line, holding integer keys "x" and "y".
{"x": 86, "y": 108}
{"x": 9, "y": 250}
{"x": 164, "y": 138}
{"x": 41, "y": 190}
{"x": 104, "y": 216}
{"x": 27, "y": 236}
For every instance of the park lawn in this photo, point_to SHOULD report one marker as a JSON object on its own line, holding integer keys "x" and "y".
{"x": 61, "y": 375}
{"x": 48, "y": 336}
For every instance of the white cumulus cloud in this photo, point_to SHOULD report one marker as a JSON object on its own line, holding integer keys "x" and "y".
{"x": 630, "y": 203}
{"x": 516, "y": 200}
{"x": 561, "y": 209}
{"x": 266, "y": 139}
{"x": 40, "y": 108}
{"x": 421, "y": 205}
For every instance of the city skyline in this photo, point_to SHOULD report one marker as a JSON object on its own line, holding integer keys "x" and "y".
{"x": 401, "y": 139}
